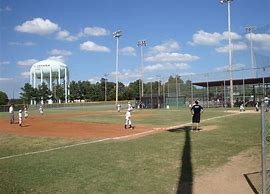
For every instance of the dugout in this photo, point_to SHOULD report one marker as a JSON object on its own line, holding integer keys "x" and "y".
{"x": 246, "y": 90}
{"x": 163, "y": 101}
{"x": 153, "y": 101}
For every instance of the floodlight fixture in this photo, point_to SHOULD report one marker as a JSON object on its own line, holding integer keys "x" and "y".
{"x": 141, "y": 43}
{"x": 225, "y": 1}
{"x": 117, "y": 34}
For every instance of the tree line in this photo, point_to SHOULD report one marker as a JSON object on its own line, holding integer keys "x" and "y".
{"x": 102, "y": 90}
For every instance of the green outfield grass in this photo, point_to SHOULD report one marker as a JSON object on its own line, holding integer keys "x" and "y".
{"x": 156, "y": 163}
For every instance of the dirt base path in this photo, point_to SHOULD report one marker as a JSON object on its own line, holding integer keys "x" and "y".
{"x": 229, "y": 179}
{"x": 48, "y": 126}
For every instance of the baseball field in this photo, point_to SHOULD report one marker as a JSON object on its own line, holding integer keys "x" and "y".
{"x": 87, "y": 150}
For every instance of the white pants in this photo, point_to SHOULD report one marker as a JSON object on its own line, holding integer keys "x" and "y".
{"x": 128, "y": 121}
{"x": 20, "y": 120}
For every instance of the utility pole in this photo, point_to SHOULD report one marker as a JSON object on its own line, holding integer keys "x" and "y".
{"x": 230, "y": 48}
{"x": 105, "y": 75}
{"x": 250, "y": 30}
{"x": 116, "y": 35}
{"x": 142, "y": 43}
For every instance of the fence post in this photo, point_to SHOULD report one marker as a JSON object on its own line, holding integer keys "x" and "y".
{"x": 264, "y": 146}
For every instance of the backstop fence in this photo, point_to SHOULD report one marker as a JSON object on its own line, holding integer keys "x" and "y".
{"x": 211, "y": 89}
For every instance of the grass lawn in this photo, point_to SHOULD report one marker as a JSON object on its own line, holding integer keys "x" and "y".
{"x": 155, "y": 163}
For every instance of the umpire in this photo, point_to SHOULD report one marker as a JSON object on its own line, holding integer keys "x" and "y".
{"x": 196, "y": 111}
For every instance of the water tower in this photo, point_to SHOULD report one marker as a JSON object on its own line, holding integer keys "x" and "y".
{"x": 50, "y": 72}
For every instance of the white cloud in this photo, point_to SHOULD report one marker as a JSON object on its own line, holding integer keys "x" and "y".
{"x": 59, "y": 52}
{"x": 29, "y": 43}
{"x": 127, "y": 75}
{"x": 95, "y": 31}
{"x": 170, "y": 57}
{"x": 234, "y": 36}
{"x": 4, "y": 62}
{"x": 57, "y": 58}
{"x": 27, "y": 62}
{"x": 94, "y": 80}
{"x": 205, "y": 38}
{"x": 234, "y": 67}
{"x": 65, "y": 35}
{"x": 263, "y": 40}
{"x": 38, "y": 26}
{"x": 165, "y": 52}
{"x": 168, "y": 46}
{"x": 166, "y": 66}
{"x": 3, "y": 79}
{"x": 91, "y": 46}
{"x": 128, "y": 51}
{"x": 235, "y": 47}
{"x": 25, "y": 74}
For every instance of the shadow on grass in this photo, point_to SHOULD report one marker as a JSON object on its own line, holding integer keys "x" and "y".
{"x": 185, "y": 182}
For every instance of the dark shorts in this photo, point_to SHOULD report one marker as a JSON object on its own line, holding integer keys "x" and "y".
{"x": 196, "y": 118}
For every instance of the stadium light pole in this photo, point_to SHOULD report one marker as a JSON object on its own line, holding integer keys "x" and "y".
{"x": 105, "y": 92}
{"x": 249, "y": 30}
{"x": 116, "y": 35}
{"x": 229, "y": 47}
{"x": 142, "y": 43}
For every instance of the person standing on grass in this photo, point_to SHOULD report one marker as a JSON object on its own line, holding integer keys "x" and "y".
{"x": 11, "y": 114}
{"x": 266, "y": 101}
{"x": 118, "y": 107}
{"x": 196, "y": 111}
{"x": 257, "y": 106}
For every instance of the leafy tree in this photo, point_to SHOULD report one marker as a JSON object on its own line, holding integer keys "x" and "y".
{"x": 132, "y": 91}
{"x": 86, "y": 89}
{"x": 59, "y": 93}
{"x": 3, "y": 98}
{"x": 28, "y": 93}
{"x": 73, "y": 90}
{"x": 43, "y": 92}
{"x": 121, "y": 91}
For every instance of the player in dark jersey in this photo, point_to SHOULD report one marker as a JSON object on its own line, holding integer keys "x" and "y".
{"x": 196, "y": 111}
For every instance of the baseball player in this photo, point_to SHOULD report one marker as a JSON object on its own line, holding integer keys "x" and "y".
{"x": 41, "y": 110}
{"x": 11, "y": 114}
{"x": 266, "y": 101}
{"x": 118, "y": 107}
{"x": 257, "y": 106}
{"x": 20, "y": 117}
{"x": 128, "y": 119}
{"x": 25, "y": 112}
{"x": 242, "y": 107}
{"x": 196, "y": 111}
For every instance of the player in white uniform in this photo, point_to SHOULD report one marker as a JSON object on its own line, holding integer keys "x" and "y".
{"x": 242, "y": 107}
{"x": 20, "y": 117}
{"x": 118, "y": 107}
{"x": 11, "y": 114}
{"x": 25, "y": 112}
{"x": 266, "y": 101}
{"x": 128, "y": 119}
{"x": 41, "y": 110}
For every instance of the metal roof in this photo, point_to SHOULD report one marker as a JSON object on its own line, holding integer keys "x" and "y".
{"x": 235, "y": 82}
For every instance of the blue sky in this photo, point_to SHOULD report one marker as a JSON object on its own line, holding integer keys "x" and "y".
{"x": 183, "y": 37}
